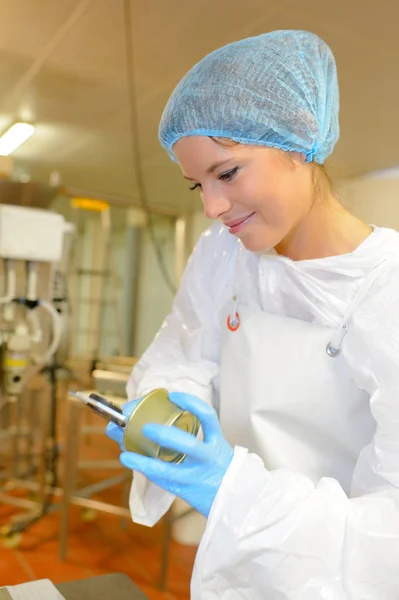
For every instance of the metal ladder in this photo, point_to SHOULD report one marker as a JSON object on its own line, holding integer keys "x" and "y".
{"x": 94, "y": 285}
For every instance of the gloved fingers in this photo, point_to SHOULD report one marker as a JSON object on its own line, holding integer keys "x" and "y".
{"x": 152, "y": 468}
{"x": 176, "y": 439}
{"x": 205, "y": 413}
{"x": 115, "y": 432}
{"x": 129, "y": 406}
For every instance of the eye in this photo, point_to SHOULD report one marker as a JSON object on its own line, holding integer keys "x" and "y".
{"x": 195, "y": 186}
{"x": 229, "y": 175}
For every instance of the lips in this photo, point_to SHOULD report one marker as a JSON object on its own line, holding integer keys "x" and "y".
{"x": 238, "y": 224}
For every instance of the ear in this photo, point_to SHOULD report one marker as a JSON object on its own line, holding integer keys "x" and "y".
{"x": 298, "y": 157}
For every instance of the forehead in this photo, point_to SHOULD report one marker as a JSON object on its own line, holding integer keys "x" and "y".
{"x": 197, "y": 154}
{"x": 200, "y": 155}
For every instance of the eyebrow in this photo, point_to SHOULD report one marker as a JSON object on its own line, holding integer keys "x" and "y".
{"x": 212, "y": 168}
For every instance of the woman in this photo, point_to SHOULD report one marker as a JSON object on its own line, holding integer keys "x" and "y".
{"x": 286, "y": 321}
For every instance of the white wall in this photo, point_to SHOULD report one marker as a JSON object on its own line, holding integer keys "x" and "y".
{"x": 374, "y": 198}
{"x": 154, "y": 301}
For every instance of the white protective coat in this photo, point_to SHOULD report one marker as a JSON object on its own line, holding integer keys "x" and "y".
{"x": 309, "y": 507}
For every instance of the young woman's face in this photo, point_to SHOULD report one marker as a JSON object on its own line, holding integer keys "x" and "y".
{"x": 258, "y": 193}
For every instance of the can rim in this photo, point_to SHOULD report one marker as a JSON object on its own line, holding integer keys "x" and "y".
{"x": 171, "y": 422}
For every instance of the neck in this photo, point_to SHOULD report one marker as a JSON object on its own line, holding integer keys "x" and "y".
{"x": 328, "y": 230}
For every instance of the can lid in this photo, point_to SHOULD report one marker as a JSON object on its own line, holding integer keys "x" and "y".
{"x": 186, "y": 421}
{"x": 157, "y": 404}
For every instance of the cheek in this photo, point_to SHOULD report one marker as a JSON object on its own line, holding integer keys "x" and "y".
{"x": 252, "y": 193}
{"x": 264, "y": 192}
{"x": 272, "y": 204}
{"x": 274, "y": 193}
{"x": 281, "y": 202}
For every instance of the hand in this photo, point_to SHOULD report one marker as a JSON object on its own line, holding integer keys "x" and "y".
{"x": 198, "y": 478}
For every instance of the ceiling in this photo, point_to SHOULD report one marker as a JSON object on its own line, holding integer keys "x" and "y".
{"x": 62, "y": 65}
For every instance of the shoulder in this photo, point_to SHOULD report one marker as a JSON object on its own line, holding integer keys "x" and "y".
{"x": 375, "y": 325}
{"x": 383, "y": 294}
{"x": 379, "y": 309}
{"x": 372, "y": 345}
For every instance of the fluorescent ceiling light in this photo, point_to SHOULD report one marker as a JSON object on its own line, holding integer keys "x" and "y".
{"x": 14, "y": 137}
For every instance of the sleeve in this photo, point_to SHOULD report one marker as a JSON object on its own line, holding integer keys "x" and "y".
{"x": 275, "y": 534}
{"x": 184, "y": 355}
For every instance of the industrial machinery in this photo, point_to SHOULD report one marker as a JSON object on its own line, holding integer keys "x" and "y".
{"x": 32, "y": 323}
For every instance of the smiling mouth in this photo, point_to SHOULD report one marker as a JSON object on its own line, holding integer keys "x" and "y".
{"x": 235, "y": 226}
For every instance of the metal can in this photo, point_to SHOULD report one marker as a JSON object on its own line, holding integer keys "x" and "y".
{"x": 156, "y": 407}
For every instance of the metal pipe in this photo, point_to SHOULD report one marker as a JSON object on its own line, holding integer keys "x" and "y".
{"x": 100, "y": 506}
{"x": 100, "y": 465}
{"x": 133, "y": 268}
{"x": 95, "y": 488}
{"x": 31, "y": 280}
{"x": 180, "y": 247}
{"x": 19, "y": 502}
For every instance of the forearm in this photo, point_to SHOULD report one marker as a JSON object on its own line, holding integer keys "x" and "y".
{"x": 276, "y": 534}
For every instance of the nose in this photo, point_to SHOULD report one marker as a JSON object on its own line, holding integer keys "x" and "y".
{"x": 215, "y": 204}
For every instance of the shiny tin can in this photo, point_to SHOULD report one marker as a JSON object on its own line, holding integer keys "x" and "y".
{"x": 156, "y": 407}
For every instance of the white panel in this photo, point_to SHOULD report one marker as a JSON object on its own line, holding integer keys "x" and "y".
{"x": 30, "y": 234}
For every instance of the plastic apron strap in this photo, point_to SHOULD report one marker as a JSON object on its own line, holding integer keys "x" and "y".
{"x": 233, "y": 318}
{"x": 333, "y": 348}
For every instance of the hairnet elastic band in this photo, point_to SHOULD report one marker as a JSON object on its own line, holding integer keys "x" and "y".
{"x": 310, "y": 154}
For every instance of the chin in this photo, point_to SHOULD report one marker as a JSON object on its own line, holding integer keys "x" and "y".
{"x": 261, "y": 237}
{"x": 255, "y": 243}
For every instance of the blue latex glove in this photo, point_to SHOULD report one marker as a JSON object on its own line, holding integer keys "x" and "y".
{"x": 198, "y": 478}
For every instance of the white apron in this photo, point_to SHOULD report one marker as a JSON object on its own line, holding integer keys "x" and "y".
{"x": 286, "y": 393}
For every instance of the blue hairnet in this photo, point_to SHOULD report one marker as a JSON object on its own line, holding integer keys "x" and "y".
{"x": 278, "y": 89}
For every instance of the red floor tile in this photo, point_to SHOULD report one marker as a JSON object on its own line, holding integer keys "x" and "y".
{"x": 12, "y": 570}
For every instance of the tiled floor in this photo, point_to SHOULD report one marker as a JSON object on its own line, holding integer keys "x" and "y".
{"x": 96, "y": 547}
